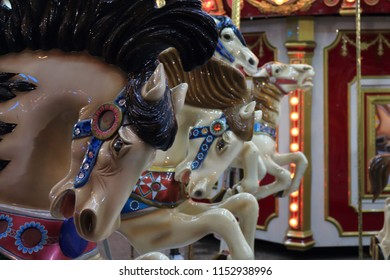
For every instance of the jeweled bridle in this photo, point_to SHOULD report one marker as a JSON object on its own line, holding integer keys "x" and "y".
{"x": 105, "y": 123}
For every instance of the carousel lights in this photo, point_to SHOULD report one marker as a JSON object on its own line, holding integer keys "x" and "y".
{"x": 293, "y": 222}
{"x": 208, "y": 5}
{"x": 294, "y": 116}
{"x": 294, "y": 147}
{"x": 294, "y": 194}
{"x": 294, "y": 207}
{"x": 294, "y": 101}
{"x": 294, "y": 131}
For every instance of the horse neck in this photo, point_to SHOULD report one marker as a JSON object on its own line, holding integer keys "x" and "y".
{"x": 188, "y": 117}
{"x": 269, "y": 101}
{"x": 39, "y": 147}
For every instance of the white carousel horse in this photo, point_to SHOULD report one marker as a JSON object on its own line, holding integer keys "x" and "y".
{"x": 232, "y": 47}
{"x": 159, "y": 200}
{"x": 61, "y": 62}
{"x": 273, "y": 82}
{"x": 379, "y": 171}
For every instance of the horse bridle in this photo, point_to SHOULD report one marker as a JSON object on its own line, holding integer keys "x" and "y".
{"x": 278, "y": 81}
{"x": 105, "y": 123}
{"x": 220, "y": 47}
{"x": 210, "y": 133}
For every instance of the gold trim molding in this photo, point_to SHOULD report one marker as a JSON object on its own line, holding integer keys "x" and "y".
{"x": 283, "y": 9}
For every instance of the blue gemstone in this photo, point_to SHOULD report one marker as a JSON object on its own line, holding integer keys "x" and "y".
{"x": 71, "y": 244}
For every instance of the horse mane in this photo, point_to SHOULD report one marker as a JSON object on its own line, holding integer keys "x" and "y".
{"x": 124, "y": 33}
{"x": 127, "y": 34}
{"x": 215, "y": 85}
{"x": 378, "y": 171}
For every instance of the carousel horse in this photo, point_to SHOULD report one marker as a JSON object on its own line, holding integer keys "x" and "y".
{"x": 159, "y": 215}
{"x": 232, "y": 47}
{"x": 83, "y": 107}
{"x": 271, "y": 82}
{"x": 379, "y": 171}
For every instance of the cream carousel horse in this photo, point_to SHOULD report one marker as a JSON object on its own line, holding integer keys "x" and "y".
{"x": 379, "y": 171}
{"x": 158, "y": 214}
{"x": 271, "y": 82}
{"x": 93, "y": 61}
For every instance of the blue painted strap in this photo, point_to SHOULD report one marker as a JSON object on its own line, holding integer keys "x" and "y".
{"x": 209, "y": 133}
{"x": 82, "y": 129}
{"x": 262, "y": 128}
{"x": 133, "y": 205}
{"x": 224, "y": 52}
{"x": 88, "y": 162}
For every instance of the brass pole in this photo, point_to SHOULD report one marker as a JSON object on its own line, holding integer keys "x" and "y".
{"x": 236, "y": 12}
{"x": 358, "y": 82}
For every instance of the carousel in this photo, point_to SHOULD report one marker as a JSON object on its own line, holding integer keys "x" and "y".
{"x": 244, "y": 119}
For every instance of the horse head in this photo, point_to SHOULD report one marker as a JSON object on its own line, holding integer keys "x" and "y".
{"x": 232, "y": 46}
{"x": 110, "y": 150}
{"x": 211, "y": 149}
{"x": 284, "y": 78}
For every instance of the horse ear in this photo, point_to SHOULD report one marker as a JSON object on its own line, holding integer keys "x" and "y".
{"x": 247, "y": 110}
{"x": 178, "y": 96}
{"x": 258, "y": 115}
{"x": 155, "y": 87}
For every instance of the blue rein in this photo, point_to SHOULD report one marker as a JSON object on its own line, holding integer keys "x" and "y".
{"x": 90, "y": 127}
{"x": 214, "y": 130}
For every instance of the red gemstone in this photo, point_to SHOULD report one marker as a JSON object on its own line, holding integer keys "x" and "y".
{"x": 155, "y": 186}
{"x": 217, "y": 127}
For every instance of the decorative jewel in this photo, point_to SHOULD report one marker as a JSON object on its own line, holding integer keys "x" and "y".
{"x": 204, "y": 131}
{"x": 77, "y": 131}
{"x": 284, "y": 9}
{"x": 106, "y": 121}
{"x": 218, "y": 127}
{"x": 5, "y": 225}
{"x": 86, "y": 166}
{"x": 81, "y": 175}
{"x": 31, "y": 237}
{"x": 90, "y": 154}
{"x": 134, "y": 205}
{"x": 122, "y": 102}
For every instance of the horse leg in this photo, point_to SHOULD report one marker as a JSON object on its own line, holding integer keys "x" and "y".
{"x": 383, "y": 235}
{"x": 245, "y": 207}
{"x": 300, "y": 161}
{"x": 252, "y": 172}
{"x": 282, "y": 179}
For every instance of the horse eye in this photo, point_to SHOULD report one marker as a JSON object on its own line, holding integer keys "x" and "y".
{"x": 118, "y": 144}
{"x": 277, "y": 71}
{"x": 220, "y": 145}
{"x": 227, "y": 37}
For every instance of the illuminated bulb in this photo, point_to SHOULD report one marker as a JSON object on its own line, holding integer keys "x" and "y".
{"x": 350, "y": 1}
{"x": 294, "y": 147}
{"x": 294, "y": 101}
{"x": 279, "y": 2}
{"x": 292, "y": 175}
{"x": 294, "y": 194}
{"x": 293, "y": 222}
{"x": 293, "y": 207}
{"x": 294, "y": 131}
{"x": 294, "y": 116}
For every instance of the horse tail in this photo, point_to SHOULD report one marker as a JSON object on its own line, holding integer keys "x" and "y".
{"x": 378, "y": 171}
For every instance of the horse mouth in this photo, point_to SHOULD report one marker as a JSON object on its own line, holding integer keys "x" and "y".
{"x": 307, "y": 82}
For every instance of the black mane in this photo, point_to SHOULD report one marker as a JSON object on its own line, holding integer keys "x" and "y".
{"x": 125, "y": 33}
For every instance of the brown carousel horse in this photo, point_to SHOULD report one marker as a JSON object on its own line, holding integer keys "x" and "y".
{"x": 379, "y": 171}
{"x": 89, "y": 67}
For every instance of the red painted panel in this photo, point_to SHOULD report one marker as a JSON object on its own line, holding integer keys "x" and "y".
{"x": 342, "y": 70}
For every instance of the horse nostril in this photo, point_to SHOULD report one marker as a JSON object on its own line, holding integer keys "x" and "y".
{"x": 198, "y": 193}
{"x": 251, "y": 61}
{"x": 88, "y": 221}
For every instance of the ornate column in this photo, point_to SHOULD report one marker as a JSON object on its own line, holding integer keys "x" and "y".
{"x": 300, "y": 48}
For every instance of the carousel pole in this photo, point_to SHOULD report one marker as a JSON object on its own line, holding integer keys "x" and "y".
{"x": 236, "y": 12}
{"x": 358, "y": 82}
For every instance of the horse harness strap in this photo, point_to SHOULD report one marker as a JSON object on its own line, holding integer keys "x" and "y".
{"x": 278, "y": 81}
{"x": 215, "y": 129}
{"x": 264, "y": 128}
{"x": 105, "y": 123}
